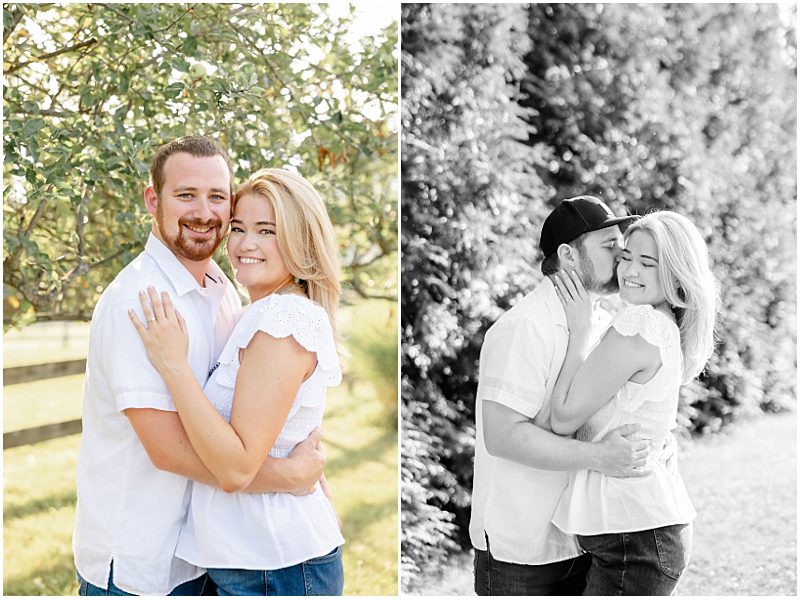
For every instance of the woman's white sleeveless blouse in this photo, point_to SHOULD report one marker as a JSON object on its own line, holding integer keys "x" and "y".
{"x": 271, "y": 530}
{"x": 595, "y": 503}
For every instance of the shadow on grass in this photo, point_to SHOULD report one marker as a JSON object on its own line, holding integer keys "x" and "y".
{"x": 13, "y": 511}
{"x": 359, "y": 517}
{"x": 55, "y": 576}
{"x": 358, "y": 390}
{"x": 371, "y": 452}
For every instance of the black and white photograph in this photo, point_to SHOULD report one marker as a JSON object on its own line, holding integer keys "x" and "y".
{"x": 598, "y": 288}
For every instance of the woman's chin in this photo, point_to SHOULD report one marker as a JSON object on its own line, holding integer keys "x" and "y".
{"x": 629, "y": 298}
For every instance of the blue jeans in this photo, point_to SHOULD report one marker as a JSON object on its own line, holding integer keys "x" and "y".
{"x": 648, "y": 562}
{"x": 493, "y": 577}
{"x": 191, "y": 588}
{"x": 318, "y": 576}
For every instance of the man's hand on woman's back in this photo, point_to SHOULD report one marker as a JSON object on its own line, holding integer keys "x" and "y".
{"x": 618, "y": 456}
{"x": 307, "y": 462}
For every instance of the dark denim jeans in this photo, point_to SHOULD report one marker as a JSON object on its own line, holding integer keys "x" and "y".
{"x": 648, "y": 562}
{"x": 493, "y": 577}
{"x": 319, "y": 576}
{"x": 191, "y": 588}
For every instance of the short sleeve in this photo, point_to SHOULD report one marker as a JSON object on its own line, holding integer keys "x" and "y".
{"x": 133, "y": 380}
{"x": 282, "y": 316}
{"x": 512, "y": 372}
{"x": 654, "y": 327}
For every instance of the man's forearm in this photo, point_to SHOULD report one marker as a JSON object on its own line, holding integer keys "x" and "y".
{"x": 274, "y": 476}
{"x": 532, "y": 446}
{"x": 512, "y": 436}
{"x": 168, "y": 446}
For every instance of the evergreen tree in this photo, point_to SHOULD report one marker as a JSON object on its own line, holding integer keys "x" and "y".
{"x": 470, "y": 202}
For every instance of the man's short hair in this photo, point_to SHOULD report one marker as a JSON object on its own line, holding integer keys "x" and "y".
{"x": 196, "y": 145}
{"x": 552, "y": 263}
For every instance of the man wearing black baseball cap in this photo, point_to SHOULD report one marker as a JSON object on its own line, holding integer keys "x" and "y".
{"x": 568, "y": 225}
{"x": 521, "y": 469}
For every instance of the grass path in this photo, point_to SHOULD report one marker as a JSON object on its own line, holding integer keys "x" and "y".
{"x": 743, "y": 484}
{"x": 744, "y": 487}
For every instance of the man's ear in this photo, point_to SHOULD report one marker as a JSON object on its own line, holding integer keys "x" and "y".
{"x": 150, "y": 199}
{"x": 567, "y": 255}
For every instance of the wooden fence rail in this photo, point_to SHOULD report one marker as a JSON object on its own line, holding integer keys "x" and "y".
{"x": 37, "y": 372}
{"x": 37, "y": 434}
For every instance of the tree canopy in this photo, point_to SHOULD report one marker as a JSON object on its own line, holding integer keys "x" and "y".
{"x": 92, "y": 90}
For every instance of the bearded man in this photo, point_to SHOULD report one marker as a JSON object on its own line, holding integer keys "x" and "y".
{"x": 521, "y": 469}
{"x": 136, "y": 464}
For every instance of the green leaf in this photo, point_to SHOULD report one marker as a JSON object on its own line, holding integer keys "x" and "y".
{"x": 190, "y": 46}
{"x": 180, "y": 64}
{"x": 141, "y": 167}
{"x": 11, "y": 241}
{"x": 32, "y": 126}
{"x": 173, "y": 90}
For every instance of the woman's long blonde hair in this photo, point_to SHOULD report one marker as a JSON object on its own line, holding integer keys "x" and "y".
{"x": 689, "y": 285}
{"x": 305, "y": 235}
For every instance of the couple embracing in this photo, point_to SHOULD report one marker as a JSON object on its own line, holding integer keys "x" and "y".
{"x": 200, "y": 468}
{"x": 576, "y": 489}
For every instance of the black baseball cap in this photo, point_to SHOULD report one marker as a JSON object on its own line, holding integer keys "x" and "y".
{"x": 574, "y": 217}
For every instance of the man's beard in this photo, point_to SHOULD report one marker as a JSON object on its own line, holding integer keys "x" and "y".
{"x": 185, "y": 247}
{"x": 590, "y": 280}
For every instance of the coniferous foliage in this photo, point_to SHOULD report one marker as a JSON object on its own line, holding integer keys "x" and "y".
{"x": 470, "y": 199}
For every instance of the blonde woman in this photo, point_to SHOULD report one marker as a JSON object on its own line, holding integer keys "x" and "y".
{"x": 266, "y": 394}
{"x": 638, "y": 530}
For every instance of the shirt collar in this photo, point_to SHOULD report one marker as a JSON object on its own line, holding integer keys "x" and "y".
{"x": 177, "y": 273}
{"x": 553, "y": 303}
{"x": 555, "y": 307}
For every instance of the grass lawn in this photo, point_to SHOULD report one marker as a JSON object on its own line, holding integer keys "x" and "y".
{"x": 743, "y": 484}
{"x": 45, "y": 342}
{"x": 744, "y": 487}
{"x": 42, "y": 402}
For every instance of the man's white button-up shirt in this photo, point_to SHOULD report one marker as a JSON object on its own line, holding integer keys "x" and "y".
{"x": 128, "y": 511}
{"x": 520, "y": 360}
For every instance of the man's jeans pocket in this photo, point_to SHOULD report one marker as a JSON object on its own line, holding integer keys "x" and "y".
{"x": 674, "y": 544}
{"x": 324, "y": 575}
